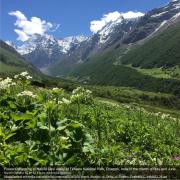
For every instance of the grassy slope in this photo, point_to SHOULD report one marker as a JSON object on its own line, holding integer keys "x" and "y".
{"x": 149, "y": 108}
{"x": 101, "y": 71}
{"x": 160, "y": 51}
{"x": 69, "y": 66}
{"x": 166, "y": 73}
{"x": 113, "y": 134}
{"x": 12, "y": 63}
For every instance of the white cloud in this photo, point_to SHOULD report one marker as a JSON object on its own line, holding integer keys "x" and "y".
{"x": 131, "y": 14}
{"x": 97, "y": 25}
{"x": 27, "y": 28}
{"x": 22, "y": 36}
{"x": 20, "y": 16}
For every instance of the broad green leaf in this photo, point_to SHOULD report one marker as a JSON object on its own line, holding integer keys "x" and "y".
{"x": 12, "y": 105}
{"x": 21, "y": 116}
{"x": 9, "y": 136}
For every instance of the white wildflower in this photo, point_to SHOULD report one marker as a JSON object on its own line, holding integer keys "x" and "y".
{"x": 16, "y": 76}
{"x": 127, "y": 106}
{"x": 28, "y": 77}
{"x": 77, "y": 90}
{"x": 25, "y": 73}
{"x": 62, "y": 138}
{"x": 82, "y": 91}
{"x": 88, "y": 91}
{"x": 164, "y": 116}
{"x": 75, "y": 97}
{"x": 60, "y": 102}
{"x": 27, "y": 93}
{"x": 81, "y": 94}
{"x": 6, "y": 83}
{"x": 55, "y": 89}
{"x": 174, "y": 119}
{"x": 13, "y": 84}
{"x": 66, "y": 101}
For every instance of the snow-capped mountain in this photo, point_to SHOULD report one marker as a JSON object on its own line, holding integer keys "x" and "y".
{"x": 152, "y": 21}
{"x": 68, "y": 42}
{"x": 48, "y": 42}
{"x": 107, "y": 36}
{"x": 44, "y": 50}
{"x": 124, "y": 23}
{"x": 129, "y": 30}
{"x": 45, "y": 43}
{"x": 121, "y": 31}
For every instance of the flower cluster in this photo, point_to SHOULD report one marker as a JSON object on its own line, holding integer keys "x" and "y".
{"x": 81, "y": 90}
{"x": 158, "y": 114}
{"x": 81, "y": 95}
{"x": 64, "y": 101}
{"x": 6, "y": 83}
{"x": 126, "y": 106}
{"x": 176, "y": 158}
{"x": 164, "y": 116}
{"x": 23, "y": 75}
{"x": 57, "y": 91}
{"x": 27, "y": 93}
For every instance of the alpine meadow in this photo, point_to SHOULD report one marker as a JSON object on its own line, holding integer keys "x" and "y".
{"x": 109, "y": 98}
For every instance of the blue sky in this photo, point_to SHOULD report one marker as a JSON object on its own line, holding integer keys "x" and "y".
{"x": 73, "y": 16}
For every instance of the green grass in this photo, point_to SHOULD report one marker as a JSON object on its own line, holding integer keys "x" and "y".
{"x": 170, "y": 73}
{"x": 148, "y": 107}
{"x": 56, "y": 128}
{"x": 160, "y": 51}
{"x": 157, "y": 73}
{"x": 12, "y": 63}
{"x": 161, "y": 59}
{"x": 13, "y": 69}
{"x": 131, "y": 95}
{"x": 11, "y": 58}
{"x": 102, "y": 71}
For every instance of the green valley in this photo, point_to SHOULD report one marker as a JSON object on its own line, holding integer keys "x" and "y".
{"x": 107, "y": 98}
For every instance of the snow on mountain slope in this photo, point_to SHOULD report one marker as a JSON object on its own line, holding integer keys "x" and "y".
{"x": 159, "y": 14}
{"x": 176, "y": 4}
{"x": 124, "y": 18}
{"x": 37, "y": 41}
{"x": 125, "y": 28}
{"x": 48, "y": 42}
{"x": 106, "y": 30}
{"x": 70, "y": 41}
{"x": 44, "y": 50}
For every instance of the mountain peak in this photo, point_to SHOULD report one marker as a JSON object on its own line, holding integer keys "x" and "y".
{"x": 48, "y": 42}
{"x": 68, "y": 42}
{"x": 125, "y": 19}
{"x": 174, "y": 0}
